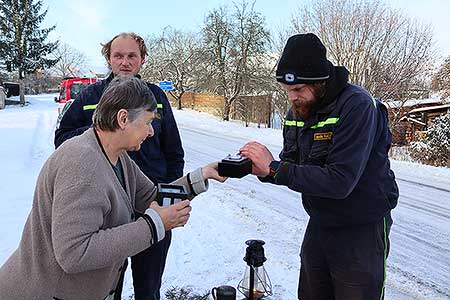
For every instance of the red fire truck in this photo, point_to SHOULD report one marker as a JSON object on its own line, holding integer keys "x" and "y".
{"x": 69, "y": 89}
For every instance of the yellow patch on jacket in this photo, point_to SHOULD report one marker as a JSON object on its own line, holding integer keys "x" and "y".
{"x": 323, "y": 136}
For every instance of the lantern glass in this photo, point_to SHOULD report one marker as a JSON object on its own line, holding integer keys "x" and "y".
{"x": 261, "y": 283}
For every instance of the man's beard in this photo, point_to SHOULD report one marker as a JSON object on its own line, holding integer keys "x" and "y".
{"x": 305, "y": 108}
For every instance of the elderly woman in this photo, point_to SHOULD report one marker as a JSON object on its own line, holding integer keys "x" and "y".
{"x": 83, "y": 222}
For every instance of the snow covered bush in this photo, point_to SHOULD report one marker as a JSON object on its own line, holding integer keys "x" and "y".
{"x": 434, "y": 146}
{"x": 402, "y": 153}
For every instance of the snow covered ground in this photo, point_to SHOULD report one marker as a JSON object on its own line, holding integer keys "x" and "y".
{"x": 208, "y": 251}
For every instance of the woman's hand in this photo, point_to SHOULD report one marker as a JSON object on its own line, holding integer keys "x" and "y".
{"x": 174, "y": 215}
{"x": 210, "y": 171}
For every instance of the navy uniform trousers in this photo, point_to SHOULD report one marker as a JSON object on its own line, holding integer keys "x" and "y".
{"x": 344, "y": 263}
{"x": 147, "y": 268}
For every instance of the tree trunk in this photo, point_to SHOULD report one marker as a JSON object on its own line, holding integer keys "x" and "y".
{"x": 21, "y": 91}
{"x": 180, "y": 105}
{"x": 226, "y": 111}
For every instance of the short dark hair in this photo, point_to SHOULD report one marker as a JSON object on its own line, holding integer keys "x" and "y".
{"x": 123, "y": 92}
{"x": 106, "y": 48}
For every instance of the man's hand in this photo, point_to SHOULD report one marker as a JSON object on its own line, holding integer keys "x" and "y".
{"x": 175, "y": 215}
{"x": 260, "y": 157}
{"x": 210, "y": 171}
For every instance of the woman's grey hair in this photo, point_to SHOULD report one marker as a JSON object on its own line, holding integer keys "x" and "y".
{"x": 130, "y": 93}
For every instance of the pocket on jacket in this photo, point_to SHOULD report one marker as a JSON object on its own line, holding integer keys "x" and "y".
{"x": 319, "y": 154}
{"x": 290, "y": 151}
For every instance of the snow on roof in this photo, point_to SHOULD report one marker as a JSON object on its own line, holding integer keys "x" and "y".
{"x": 428, "y": 108}
{"x": 413, "y": 121}
{"x": 412, "y": 102}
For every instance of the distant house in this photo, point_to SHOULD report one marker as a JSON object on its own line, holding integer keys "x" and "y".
{"x": 419, "y": 119}
{"x": 415, "y": 116}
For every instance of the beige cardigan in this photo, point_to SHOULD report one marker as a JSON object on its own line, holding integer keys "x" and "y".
{"x": 80, "y": 228}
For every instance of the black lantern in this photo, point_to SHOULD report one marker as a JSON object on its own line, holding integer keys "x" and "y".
{"x": 256, "y": 283}
{"x": 169, "y": 194}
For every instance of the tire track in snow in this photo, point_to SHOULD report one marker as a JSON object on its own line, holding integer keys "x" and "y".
{"x": 424, "y": 185}
{"x": 42, "y": 138}
{"x": 413, "y": 250}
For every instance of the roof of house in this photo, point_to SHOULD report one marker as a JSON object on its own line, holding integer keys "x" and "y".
{"x": 428, "y": 108}
{"x": 405, "y": 118}
{"x": 412, "y": 102}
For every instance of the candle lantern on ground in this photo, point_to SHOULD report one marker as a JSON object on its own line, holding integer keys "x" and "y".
{"x": 256, "y": 283}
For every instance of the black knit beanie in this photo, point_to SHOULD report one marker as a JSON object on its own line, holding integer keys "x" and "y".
{"x": 304, "y": 60}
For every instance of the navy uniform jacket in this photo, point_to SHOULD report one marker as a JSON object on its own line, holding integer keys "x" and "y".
{"x": 161, "y": 157}
{"x": 338, "y": 158}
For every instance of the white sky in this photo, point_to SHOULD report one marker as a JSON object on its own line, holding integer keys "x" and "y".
{"x": 208, "y": 251}
{"x": 84, "y": 24}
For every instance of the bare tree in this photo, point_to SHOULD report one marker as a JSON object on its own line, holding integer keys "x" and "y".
{"x": 385, "y": 51}
{"x": 236, "y": 44}
{"x": 153, "y": 68}
{"x": 40, "y": 82}
{"x": 441, "y": 80}
{"x": 280, "y": 102}
{"x": 176, "y": 56}
{"x": 71, "y": 61}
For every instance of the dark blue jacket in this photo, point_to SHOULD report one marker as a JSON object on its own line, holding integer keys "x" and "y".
{"x": 161, "y": 157}
{"x": 338, "y": 158}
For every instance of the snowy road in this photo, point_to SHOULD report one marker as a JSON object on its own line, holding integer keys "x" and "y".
{"x": 419, "y": 262}
{"x": 421, "y": 238}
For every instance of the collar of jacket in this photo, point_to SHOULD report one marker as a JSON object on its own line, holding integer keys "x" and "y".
{"x": 111, "y": 76}
{"x": 336, "y": 84}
